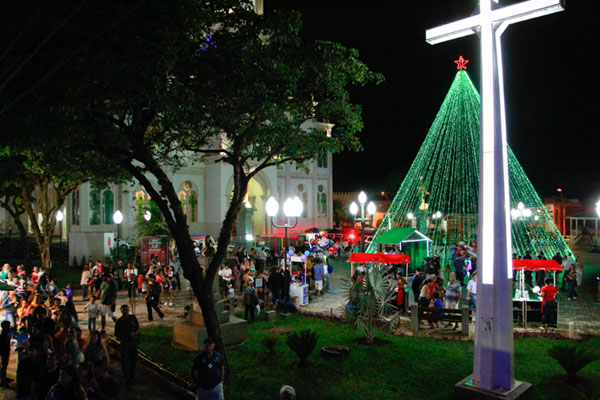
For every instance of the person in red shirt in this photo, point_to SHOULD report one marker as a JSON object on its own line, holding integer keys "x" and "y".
{"x": 548, "y": 295}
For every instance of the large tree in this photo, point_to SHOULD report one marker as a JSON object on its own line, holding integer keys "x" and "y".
{"x": 187, "y": 81}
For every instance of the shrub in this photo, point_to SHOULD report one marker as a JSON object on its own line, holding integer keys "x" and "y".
{"x": 270, "y": 341}
{"x": 572, "y": 358}
{"x": 303, "y": 345}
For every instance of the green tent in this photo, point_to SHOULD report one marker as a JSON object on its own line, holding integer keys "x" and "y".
{"x": 409, "y": 240}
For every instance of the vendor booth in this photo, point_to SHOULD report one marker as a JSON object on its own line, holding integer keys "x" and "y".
{"x": 382, "y": 258}
{"x": 299, "y": 289}
{"x": 408, "y": 240}
{"x": 527, "y": 305}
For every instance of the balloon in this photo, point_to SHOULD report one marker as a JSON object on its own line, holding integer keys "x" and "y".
{"x": 307, "y": 253}
{"x": 303, "y": 257}
{"x": 291, "y": 252}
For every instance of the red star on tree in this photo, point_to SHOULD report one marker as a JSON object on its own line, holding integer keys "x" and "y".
{"x": 461, "y": 63}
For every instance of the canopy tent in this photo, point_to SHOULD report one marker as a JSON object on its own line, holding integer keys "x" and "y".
{"x": 316, "y": 230}
{"x": 409, "y": 240}
{"x": 532, "y": 265}
{"x": 378, "y": 258}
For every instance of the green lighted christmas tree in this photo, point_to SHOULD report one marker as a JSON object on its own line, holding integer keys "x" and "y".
{"x": 440, "y": 193}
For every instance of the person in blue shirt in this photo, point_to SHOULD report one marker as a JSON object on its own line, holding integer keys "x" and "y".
{"x": 318, "y": 273}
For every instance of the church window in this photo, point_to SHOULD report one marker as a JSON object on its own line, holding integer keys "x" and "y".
{"x": 301, "y": 193}
{"x": 189, "y": 202}
{"x": 322, "y": 160}
{"x": 95, "y": 209}
{"x": 107, "y": 207}
{"x": 321, "y": 201}
{"x": 141, "y": 203}
{"x": 75, "y": 208}
{"x": 193, "y": 206}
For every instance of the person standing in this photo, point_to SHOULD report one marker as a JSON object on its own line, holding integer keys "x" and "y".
{"x": 453, "y": 295}
{"x": 207, "y": 371}
{"x": 318, "y": 273}
{"x": 126, "y": 331}
{"x": 276, "y": 283}
{"x": 250, "y": 300}
{"x": 548, "y": 295}
{"x": 400, "y": 300}
{"x": 5, "y": 352}
{"x": 106, "y": 296}
{"x": 579, "y": 273}
{"x": 572, "y": 280}
{"x": 472, "y": 293}
{"x": 417, "y": 280}
{"x": 176, "y": 265}
{"x": 85, "y": 278}
{"x": 131, "y": 274}
{"x": 153, "y": 298}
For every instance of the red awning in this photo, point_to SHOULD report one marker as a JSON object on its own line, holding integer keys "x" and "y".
{"x": 379, "y": 257}
{"x": 532, "y": 265}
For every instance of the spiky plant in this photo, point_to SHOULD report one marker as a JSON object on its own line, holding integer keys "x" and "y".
{"x": 303, "y": 344}
{"x": 572, "y": 358}
{"x": 270, "y": 341}
{"x": 372, "y": 302}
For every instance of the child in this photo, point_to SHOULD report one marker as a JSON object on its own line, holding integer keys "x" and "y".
{"x": 144, "y": 287}
{"x": 5, "y": 352}
{"x": 93, "y": 310}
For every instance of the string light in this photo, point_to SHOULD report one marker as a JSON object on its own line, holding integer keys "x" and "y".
{"x": 445, "y": 175}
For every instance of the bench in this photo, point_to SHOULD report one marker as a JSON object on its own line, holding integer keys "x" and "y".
{"x": 418, "y": 314}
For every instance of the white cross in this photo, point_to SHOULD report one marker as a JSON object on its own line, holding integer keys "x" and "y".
{"x": 493, "y": 365}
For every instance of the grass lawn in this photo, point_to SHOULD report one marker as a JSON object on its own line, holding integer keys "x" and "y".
{"x": 406, "y": 368}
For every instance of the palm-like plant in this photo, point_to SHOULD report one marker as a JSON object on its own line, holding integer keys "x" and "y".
{"x": 303, "y": 344}
{"x": 572, "y": 358}
{"x": 372, "y": 302}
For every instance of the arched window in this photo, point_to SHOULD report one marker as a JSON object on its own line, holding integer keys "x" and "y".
{"x": 301, "y": 193}
{"x": 75, "y": 208}
{"x": 183, "y": 201}
{"x": 95, "y": 209}
{"x": 193, "y": 203}
{"x": 321, "y": 201}
{"x": 107, "y": 207}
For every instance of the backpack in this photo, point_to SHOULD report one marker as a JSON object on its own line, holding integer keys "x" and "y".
{"x": 251, "y": 298}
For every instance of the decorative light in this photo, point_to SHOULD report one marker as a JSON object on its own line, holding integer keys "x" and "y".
{"x": 598, "y": 208}
{"x": 293, "y": 207}
{"x": 371, "y": 208}
{"x": 461, "y": 63}
{"x": 272, "y": 207}
{"x": 353, "y": 208}
{"x": 117, "y": 217}
{"x": 454, "y": 193}
{"x": 60, "y": 216}
{"x": 537, "y": 217}
{"x": 521, "y": 206}
{"x": 147, "y": 215}
{"x": 362, "y": 197}
{"x": 249, "y": 237}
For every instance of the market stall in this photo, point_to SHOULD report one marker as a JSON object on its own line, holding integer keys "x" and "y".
{"x": 382, "y": 258}
{"x": 527, "y": 305}
{"x": 408, "y": 240}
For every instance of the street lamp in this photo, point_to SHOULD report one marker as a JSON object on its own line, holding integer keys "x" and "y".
{"x": 562, "y": 211}
{"x": 147, "y": 215}
{"x": 59, "y": 218}
{"x": 292, "y": 209}
{"x": 371, "y": 208}
{"x": 117, "y": 219}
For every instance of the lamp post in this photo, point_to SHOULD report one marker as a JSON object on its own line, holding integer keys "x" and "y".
{"x": 292, "y": 209}
{"x": 362, "y": 199}
{"x": 562, "y": 211}
{"x": 59, "y": 218}
{"x": 117, "y": 219}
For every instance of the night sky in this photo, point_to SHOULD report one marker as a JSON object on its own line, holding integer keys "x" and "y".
{"x": 551, "y": 86}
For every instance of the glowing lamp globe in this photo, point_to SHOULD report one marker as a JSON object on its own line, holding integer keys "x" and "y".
{"x": 598, "y": 208}
{"x": 117, "y": 217}
{"x": 60, "y": 216}
{"x": 272, "y": 207}
{"x": 353, "y": 208}
{"x": 362, "y": 197}
{"x": 371, "y": 208}
{"x": 521, "y": 206}
{"x": 147, "y": 215}
{"x": 293, "y": 207}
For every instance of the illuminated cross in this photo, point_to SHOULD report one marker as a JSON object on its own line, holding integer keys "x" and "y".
{"x": 493, "y": 368}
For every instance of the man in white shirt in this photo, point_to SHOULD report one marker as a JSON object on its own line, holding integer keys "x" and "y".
{"x": 472, "y": 292}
